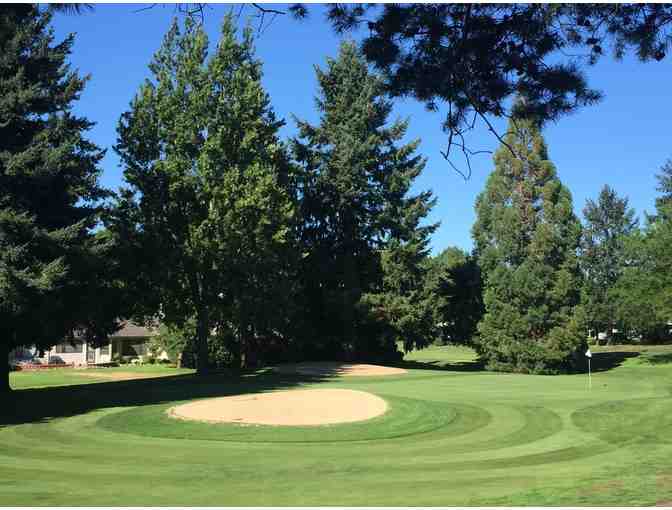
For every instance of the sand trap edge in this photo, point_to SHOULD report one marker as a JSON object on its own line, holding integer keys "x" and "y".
{"x": 334, "y": 369}
{"x": 307, "y": 408}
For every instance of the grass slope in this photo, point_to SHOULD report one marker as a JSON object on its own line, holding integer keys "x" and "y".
{"x": 454, "y": 436}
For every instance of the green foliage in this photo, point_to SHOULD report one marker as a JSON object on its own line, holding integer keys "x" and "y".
{"x": 526, "y": 238}
{"x": 454, "y": 283}
{"x": 664, "y": 201}
{"x": 207, "y": 207}
{"x": 53, "y": 270}
{"x": 361, "y": 231}
{"x": 608, "y": 223}
{"x": 400, "y": 304}
{"x": 175, "y": 341}
{"x": 644, "y": 290}
{"x": 472, "y": 59}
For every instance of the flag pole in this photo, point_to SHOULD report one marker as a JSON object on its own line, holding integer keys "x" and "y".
{"x": 590, "y": 380}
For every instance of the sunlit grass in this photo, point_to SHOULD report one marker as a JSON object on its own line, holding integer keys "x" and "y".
{"x": 454, "y": 435}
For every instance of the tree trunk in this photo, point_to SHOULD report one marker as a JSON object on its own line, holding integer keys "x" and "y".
{"x": 349, "y": 331}
{"x": 5, "y": 388}
{"x": 202, "y": 333}
{"x": 351, "y": 283}
{"x": 238, "y": 361}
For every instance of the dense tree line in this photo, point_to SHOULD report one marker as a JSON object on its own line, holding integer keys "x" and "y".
{"x": 55, "y": 272}
{"x": 551, "y": 284}
{"x": 642, "y": 294}
{"x": 248, "y": 249}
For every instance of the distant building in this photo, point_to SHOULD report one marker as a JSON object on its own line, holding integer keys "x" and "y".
{"x": 131, "y": 341}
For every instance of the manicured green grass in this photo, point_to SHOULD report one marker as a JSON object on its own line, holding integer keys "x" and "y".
{"x": 70, "y": 376}
{"x": 454, "y": 435}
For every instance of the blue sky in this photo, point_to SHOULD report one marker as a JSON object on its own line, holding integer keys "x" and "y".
{"x": 622, "y": 141}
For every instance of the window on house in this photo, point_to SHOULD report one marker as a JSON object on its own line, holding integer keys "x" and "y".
{"x": 70, "y": 348}
{"x": 105, "y": 350}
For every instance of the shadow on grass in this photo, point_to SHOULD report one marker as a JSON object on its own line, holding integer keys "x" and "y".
{"x": 43, "y": 404}
{"x": 603, "y": 361}
{"x": 658, "y": 359}
{"x": 452, "y": 366}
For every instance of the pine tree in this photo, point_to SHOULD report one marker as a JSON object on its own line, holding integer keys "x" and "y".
{"x": 454, "y": 282}
{"x": 207, "y": 186}
{"x": 50, "y": 262}
{"x": 608, "y": 223}
{"x": 355, "y": 205}
{"x": 399, "y": 307}
{"x": 526, "y": 238}
{"x": 643, "y": 293}
{"x": 664, "y": 201}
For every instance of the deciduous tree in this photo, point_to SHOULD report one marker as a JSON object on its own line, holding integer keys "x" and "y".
{"x": 206, "y": 178}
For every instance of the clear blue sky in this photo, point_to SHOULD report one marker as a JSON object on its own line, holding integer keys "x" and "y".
{"x": 622, "y": 142}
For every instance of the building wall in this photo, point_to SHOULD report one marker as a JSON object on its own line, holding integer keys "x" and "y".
{"x": 118, "y": 344}
{"x": 77, "y": 358}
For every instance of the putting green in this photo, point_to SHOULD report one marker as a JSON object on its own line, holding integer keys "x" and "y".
{"x": 452, "y": 435}
{"x": 405, "y": 417}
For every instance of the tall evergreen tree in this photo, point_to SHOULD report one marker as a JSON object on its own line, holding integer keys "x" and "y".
{"x": 207, "y": 196}
{"x": 664, "y": 201}
{"x": 643, "y": 293}
{"x": 50, "y": 262}
{"x": 354, "y": 200}
{"x": 608, "y": 223}
{"x": 455, "y": 284}
{"x": 526, "y": 238}
{"x": 399, "y": 307}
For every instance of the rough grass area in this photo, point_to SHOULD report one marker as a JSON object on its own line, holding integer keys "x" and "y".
{"x": 454, "y": 436}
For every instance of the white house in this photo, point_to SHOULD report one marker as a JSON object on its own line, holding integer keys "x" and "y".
{"x": 131, "y": 341}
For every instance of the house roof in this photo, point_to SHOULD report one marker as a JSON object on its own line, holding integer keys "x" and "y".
{"x": 130, "y": 329}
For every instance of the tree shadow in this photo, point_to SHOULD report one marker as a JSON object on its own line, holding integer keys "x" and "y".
{"x": 44, "y": 404}
{"x": 658, "y": 359}
{"x": 449, "y": 366}
{"x": 603, "y": 361}
{"x": 600, "y": 362}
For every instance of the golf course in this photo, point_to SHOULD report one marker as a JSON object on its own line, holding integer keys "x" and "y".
{"x": 452, "y": 434}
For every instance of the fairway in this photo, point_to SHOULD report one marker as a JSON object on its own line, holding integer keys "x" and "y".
{"x": 452, "y": 435}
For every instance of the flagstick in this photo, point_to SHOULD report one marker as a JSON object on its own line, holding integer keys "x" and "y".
{"x": 590, "y": 380}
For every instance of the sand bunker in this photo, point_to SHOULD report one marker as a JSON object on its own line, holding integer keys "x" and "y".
{"x": 294, "y": 407}
{"x": 327, "y": 369}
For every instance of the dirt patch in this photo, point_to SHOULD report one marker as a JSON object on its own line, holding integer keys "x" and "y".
{"x": 664, "y": 481}
{"x": 601, "y": 488}
{"x": 664, "y": 485}
{"x": 116, "y": 376}
{"x": 293, "y": 407}
{"x": 333, "y": 369}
